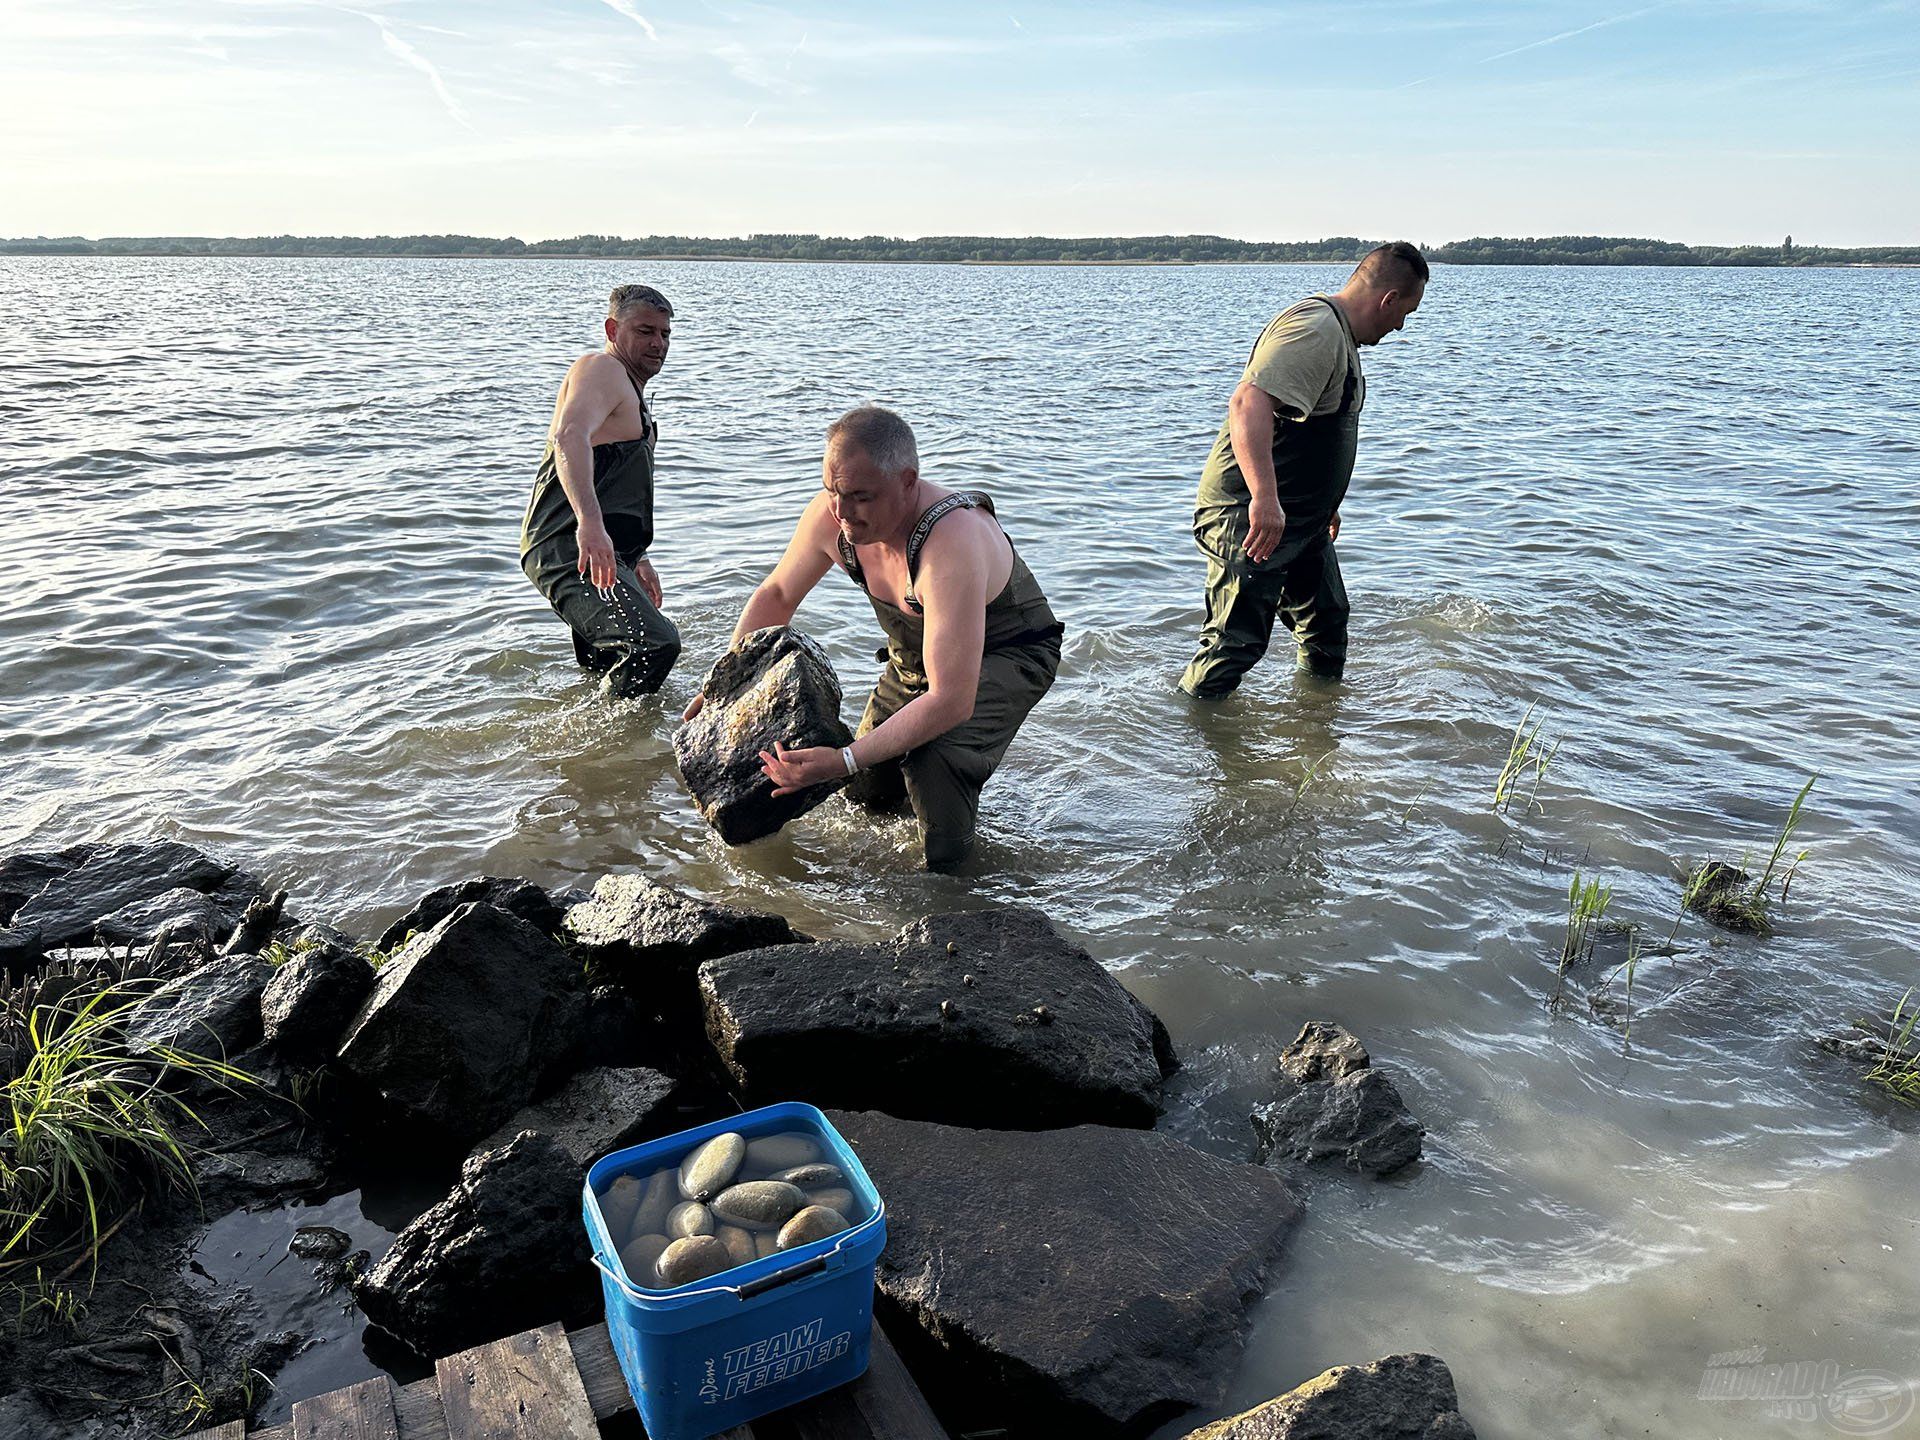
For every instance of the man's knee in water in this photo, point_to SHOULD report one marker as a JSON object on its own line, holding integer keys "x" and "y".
{"x": 947, "y": 849}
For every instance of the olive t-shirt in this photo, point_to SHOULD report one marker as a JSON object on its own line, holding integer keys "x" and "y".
{"x": 1302, "y": 360}
{"x": 1303, "y": 357}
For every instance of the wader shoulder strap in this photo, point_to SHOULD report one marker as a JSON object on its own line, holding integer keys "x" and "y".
{"x": 959, "y": 500}
{"x": 850, "y": 560}
{"x": 1347, "y": 388}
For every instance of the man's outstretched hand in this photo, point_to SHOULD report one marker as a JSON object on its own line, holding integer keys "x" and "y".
{"x": 596, "y": 556}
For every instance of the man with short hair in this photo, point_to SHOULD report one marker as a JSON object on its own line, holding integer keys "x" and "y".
{"x": 583, "y": 542}
{"x": 1268, "y": 511}
{"x": 971, "y": 642}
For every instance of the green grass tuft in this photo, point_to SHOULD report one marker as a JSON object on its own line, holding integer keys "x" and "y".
{"x": 1731, "y": 897}
{"x": 1898, "y": 1071}
{"x": 1527, "y": 755}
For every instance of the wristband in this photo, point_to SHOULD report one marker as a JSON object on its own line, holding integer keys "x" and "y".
{"x": 846, "y": 754}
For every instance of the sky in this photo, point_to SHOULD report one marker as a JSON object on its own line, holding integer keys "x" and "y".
{"x": 1706, "y": 121}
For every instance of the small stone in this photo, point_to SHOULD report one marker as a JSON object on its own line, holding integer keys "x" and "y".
{"x": 771, "y": 1153}
{"x": 650, "y": 1215}
{"x": 952, "y": 949}
{"x": 1042, "y": 1014}
{"x": 816, "y": 1222}
{"x": 759, "y": 1204}
{"x": 809, "y": 1177}
{"x": 689, "y": 1217}
{"x": 946, "y": 1010}
{"x": 694, "y": 1258}
{"x": 967, "y": 980}
{"x": 833, "y": 1198}
{"x": 619, "y": 1202}
{"x": 710, "y": 1168}
{"x": 766, "y": 1243}
{"x": 640, "y": 1255}
{"x": 739, "y": 1243}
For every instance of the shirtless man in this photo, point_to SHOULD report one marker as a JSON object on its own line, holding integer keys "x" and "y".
{"x": 971, "y": 642}
{"x": 589, "y": 521}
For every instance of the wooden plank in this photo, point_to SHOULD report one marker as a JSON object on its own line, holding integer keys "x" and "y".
{"x": 232, "y": 1430}
{"x": 359, "y": 1412}
{"x": 599, "y": 1370}
{"x": 522, "y": 1388}
{"x": 892, "y": 1403}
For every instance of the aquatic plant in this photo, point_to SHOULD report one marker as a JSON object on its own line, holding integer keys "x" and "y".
{"x": 41, "y": 1304}
{"x": 1587, "y": 902}
{"x": 1527, "y": 755}
{"x": 1898, "y": 1070}
{"x": 84, "y": 1122}
{"x": 195, "y": 1403}
{"x": 1729, "y": 896}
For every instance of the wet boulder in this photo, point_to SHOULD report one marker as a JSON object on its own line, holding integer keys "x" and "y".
{"x": 181, "y": 912}
{"x": 775, "y": 685}
{"x": 515, "y": 896}
{"x": 311, "y": 998}
{"x": 1333, "y": 1103}
{"x": 460, "y": 1024}
{"x": 213, "y": 1011}
{"x": 505, "y": 1251}
{"x": 1097, "y": 1279}
{"x": 638, "y": 929}
{"x": 1403, "y": 1397}
{"x": 26, "y": 873}
{"x": 987, "y": 1017}
{"x": 598, "y": 1111}
{"x": 112, "y": 878}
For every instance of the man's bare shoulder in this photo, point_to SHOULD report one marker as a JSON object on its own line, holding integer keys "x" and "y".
{"x": 966, "y": 542}
{"x": 595, "y": 367}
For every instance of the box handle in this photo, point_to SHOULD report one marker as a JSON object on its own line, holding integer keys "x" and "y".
{"x": 752, "y": 1287}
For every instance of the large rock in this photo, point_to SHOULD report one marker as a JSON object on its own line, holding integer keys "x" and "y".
{"x": 312, "y": 998}
{"x": 515, "y": 896}
{"x": 775, "y": 686}
{"x": 461, "y": 1023}
{"x": 113, "y": 877}
{"x": 1403, "y": 1397}
{"x": 596, "y": 1112}
{"x": 1097, "y": 1278}
{"x": 26, "y": 873}
{"x": 213, "y": 1011}
{"x": 986, "y": 1017}
{"x": 181, "y": 911}
{"x": 505, "y": 1251}
{"x": 640, "y": 929}
{"x": 1333, "y": 1103}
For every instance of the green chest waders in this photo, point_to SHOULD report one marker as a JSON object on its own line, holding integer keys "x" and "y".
{"x": 620, "y": 632}
{"x": 1300, "y": 582}
{"x": 942, "y": 779}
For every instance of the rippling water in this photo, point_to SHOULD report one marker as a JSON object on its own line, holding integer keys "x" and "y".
{"x": 262, "y": 594}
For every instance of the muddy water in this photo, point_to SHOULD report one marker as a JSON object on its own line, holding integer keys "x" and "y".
{"x": 262, "y": 595}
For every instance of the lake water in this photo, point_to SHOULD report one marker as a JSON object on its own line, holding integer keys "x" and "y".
{"x": 262, "y": 595}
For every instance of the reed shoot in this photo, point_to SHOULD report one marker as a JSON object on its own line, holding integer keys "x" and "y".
{"x": 1587, "y": 902}
{"x": 1730, "y": 897}
{"x": 1898, "y": 1071}
{"x": 1527, "y": 756}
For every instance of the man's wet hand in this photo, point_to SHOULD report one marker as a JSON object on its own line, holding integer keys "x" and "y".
{"x": 792, "y": 771}
{"x": 693, "y": 709}
{"x": 1333, "y": 526}
{"x": 1266, "y": 523}
{"x": 596, "y": 556}
{"x": 649, "y": 578}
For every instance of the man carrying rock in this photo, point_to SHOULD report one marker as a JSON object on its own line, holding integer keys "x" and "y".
{"x": 971, "y": 642}
{"x": 1268, "y": 511}
{"x": 589, "y": 521}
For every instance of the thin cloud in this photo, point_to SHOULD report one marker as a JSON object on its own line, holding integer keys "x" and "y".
{"x": 405, "y": 53}
{"x": 625, "y": 7}
{"x": 1569, "y": 34}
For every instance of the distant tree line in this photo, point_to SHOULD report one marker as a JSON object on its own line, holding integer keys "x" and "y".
{"x": 979, "y": 249}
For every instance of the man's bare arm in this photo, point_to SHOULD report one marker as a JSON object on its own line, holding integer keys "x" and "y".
{"x": 592, "y": 394}
{"x": 1250, "y": 420}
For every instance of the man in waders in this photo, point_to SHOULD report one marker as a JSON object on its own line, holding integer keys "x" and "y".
{"x": 1269, "y": 505}
{"x": 971, "y": 642}
{"x": 589, "y": 522}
